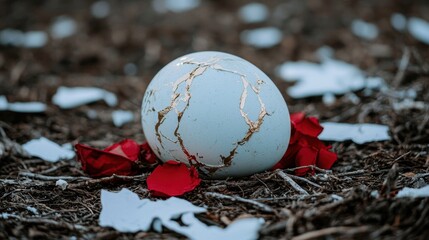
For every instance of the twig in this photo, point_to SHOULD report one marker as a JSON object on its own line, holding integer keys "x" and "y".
{"x": 46, "y": 221}
{"x": 403, "y": 155}
{"x": 304, "y": 180}
{"x": 309, "y": 166}
{"x": 332, "y": 230}
{"x": 390, "y": 182}
{"x": 50, "y": 178}
{"x": 402, "y": 68}
{"x": 418, "y": 176}
{"x": 290, "y": 197}
{"x": 258, "y": 205}
{"x": 357, "y": 172}
{"x": 106, "y": 179}
{"x": 292, "y": 182}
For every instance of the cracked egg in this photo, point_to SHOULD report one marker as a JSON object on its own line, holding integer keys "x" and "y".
{"x": 217, "y": 112}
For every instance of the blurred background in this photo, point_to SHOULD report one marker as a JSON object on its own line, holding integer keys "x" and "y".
{"x": 120, "y": 45}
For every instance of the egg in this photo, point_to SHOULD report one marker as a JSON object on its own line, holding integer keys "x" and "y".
{"x": 217, "y": 112}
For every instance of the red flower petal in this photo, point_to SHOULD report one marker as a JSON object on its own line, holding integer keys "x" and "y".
{"x": 147, "y": 153}
{"x": 305, "y": 148}
{"x": 305, "y": 157}
{"x": 326, "y": 159}
{"x": 126, "y": 148}
{"x": 120, "y": 159}
{"x": 309, "y": 126}
{"x": 172, "y": 179}
{"x": 297, "y": 117}
{"x": 288, "y": 159}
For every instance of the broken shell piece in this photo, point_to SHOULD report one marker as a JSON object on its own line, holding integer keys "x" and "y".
{"x": 217, "y": 112}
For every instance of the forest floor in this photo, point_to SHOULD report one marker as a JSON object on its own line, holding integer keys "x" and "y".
{"x": 341, "y": 203}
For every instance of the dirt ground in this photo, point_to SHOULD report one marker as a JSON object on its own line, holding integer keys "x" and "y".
{"x": 341, "y": 204}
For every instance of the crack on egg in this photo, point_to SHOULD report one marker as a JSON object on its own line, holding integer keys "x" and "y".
{"x": 253, "y": 126}
{"x": 187, "y": 79}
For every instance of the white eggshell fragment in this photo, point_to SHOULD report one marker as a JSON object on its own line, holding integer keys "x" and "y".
{"x": 217, "y": 112}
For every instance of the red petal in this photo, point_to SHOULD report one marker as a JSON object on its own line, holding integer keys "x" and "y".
{"x": 297, "y": 117}
{"x": 305, "y": 148}
{"x": 326, "y": 159}
{"x": 126, "y": 148}
{"x": 172, "y": 179}
{"x": 288, "y": 159}
{"x": 112, "y": 160}
{"x": 305, "y": 157}
{"x": 147, "y": 153}
{"x": 309, "y": 126}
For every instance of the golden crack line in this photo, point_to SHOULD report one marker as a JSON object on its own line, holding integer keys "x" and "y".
{"x": 197, "y": 72}
{"x": 253, "y": 126}
{"x": 173, "y": 103}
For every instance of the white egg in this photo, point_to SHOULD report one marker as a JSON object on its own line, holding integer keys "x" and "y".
{"x": 217, "y": 112}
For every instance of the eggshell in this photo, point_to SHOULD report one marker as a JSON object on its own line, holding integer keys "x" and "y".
{"x": 218, "y": 112}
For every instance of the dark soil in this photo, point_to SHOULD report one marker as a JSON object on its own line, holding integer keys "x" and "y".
{"x": 134, "y": 33}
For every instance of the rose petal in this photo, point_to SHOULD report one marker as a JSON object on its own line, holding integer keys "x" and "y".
{"x": 309, "y": 126}
{"x": 172, "y": 179}
{"x": 326, "y": 159}
{"x": 297, "y": 117}
{"x": 120, "y": 159}
{"x": 305, "y": 157}
{"x": 126, "y": 148}
{"x": 288, "y": 159}
{"x": 147, "y": 153}
{"x": 305, "y": 148}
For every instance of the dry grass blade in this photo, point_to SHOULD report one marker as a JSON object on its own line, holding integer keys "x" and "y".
{"x": 256, "y": 204}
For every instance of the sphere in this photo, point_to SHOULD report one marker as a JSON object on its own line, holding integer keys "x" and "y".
{"x": 217, "y": 112}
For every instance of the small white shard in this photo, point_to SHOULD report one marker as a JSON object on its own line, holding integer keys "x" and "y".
{"x": 130, "y": 69}
{"x": 120, "y": 117}
{"x": 17, "y": 38}
{"x": 125, "y": 212}
{"x": 8, "y": 215}
{"x": 63, "y": 27}
{"x": 61, "y": 184}
{"x": 398, "y": 21}
{"x": 419, "y": 29}
{"x": 100, "y": 9}
{"x": 375, "y": 194}
{"x": 22, "y": 107}
{"x": 47, "y": 150}
{"x": 365, "y": 30}
{"x": 91, "y": 114}
{"x": 312, "y": 79}
{"x": 265, "y": 37}
{"x": 35, "y": 39}
{"x": 408, "y": 104}
{"x": 353, "y": 98}
{"x": 246, "y": 229}
{"x": 27, "y": 107}
{"x": 358, "y": 133}
{"x": 325, "y": 53}
{"x": 253, "y": 13}
{"x": 413, "y": 192}
{"x": 67, "y": 98}
{"x": 33, "y": 210}
{"x": 328, "y": 99}
{"x": 177, "y": 6}
{"x": 336, "y": 198}
{"x": 3, "y": 103}
{"x": 11, "y": 37}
